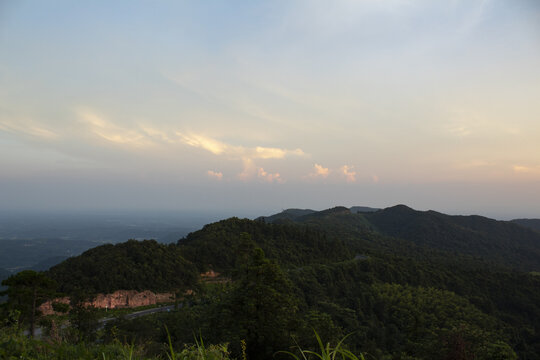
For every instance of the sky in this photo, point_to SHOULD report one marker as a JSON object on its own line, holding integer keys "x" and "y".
{"x": 258, "y": 106}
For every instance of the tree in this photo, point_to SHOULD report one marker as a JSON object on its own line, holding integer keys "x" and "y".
{"x": 262, "y": 305}
{"x": 26, "y": 291}
{"x": 83, "y": 317}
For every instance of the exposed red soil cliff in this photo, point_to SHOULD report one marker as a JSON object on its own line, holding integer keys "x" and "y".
{"x": 118, "y": 299}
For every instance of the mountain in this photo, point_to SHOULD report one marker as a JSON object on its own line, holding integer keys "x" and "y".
{"x": 289, "y": 214}
{"x": 502, "y": 242}
{"x": 133, "y": 265}
{"x": 216, "y": 246}
{"x": 533, "y": 224}
{"x": 351, "y": 273}
{"x": 406, "y": 283}
{"x": 295, "y": 214}
{"x": 362, "y": 209}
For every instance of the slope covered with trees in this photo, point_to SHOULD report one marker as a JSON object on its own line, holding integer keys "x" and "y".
{"x": 133, "y": 265}
{"x": 404, "y": 285}
{"x": 533, "y": 224}
{"x": 216, "y": 246}
{"x": 500, "y": 242}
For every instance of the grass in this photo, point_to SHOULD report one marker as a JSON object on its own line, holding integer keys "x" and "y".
{"x": 326, "y": 352}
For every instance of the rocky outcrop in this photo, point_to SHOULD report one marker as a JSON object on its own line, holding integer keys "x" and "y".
{"x": 118, "y": 299}
{"x": 47, "y": 307}
{"x": 129, "y": 299}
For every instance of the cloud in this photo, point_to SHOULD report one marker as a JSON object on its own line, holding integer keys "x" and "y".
{"x": 28, "y": 128}
{"x": 262, "y": 174}
{"x": 156, "y": 134}
{"x": 275, "y": 153}
{"x": 247, "y": 155}
{"x": 527, "y": 169}
{"x": 215, "y": 174}
{"x": 217, "y": 147}
{"x": 320, "y": 171}
{"x": 112, "y": 132}
{"x": 350, "y": 176}
{"x": 199, "y": 141}
{"x": 251, "y": 171}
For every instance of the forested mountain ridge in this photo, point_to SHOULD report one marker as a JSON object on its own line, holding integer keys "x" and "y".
{"x": 401, "y": 294}
{"x": 133, "y": 265}
{"x": 216, "y": 245}
{"x": 503, "y": 242}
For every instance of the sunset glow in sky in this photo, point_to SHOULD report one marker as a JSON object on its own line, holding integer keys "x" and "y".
{"x": 264, "y": 105}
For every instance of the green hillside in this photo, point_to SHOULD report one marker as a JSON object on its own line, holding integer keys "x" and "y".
{"x": 216, "y": 245}
{"x": 404, "y": 284}
{"x": 133, "y": 265}
{"x": 500, "y": 242}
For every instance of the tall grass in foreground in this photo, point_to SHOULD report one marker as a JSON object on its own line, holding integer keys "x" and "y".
{"x": 197, "y": 351}
{"x": 326, "y": 351}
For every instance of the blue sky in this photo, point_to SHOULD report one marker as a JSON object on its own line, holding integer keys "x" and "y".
{"x": 259, "y": 106}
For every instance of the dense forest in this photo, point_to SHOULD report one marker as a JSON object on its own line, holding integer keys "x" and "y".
{"x": 394, "y": 284}
{"x": 133, "y": 265}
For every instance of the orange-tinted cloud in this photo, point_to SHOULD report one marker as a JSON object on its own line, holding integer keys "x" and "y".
{"x": 269, "y": 177}
{"x": 320, "y": 171}
{"x": 350, "y": 175}
{"x": 215, "y": 174}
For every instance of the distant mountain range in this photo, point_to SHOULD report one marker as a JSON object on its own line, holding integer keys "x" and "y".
{"x": 512, "y": 243}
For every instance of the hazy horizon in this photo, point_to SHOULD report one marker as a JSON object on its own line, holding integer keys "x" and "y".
{"x": 253, "y": 107}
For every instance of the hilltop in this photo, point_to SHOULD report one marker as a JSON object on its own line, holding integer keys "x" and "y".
{"x": 502, "y": 242}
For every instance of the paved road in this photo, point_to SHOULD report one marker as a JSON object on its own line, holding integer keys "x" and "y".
{"x": 133, "y": 315}
{"x": 137, "y": 314}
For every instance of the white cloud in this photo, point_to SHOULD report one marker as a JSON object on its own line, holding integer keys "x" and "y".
{"x": 217, "y": 147}
{"x": 111, "y": 132}
{"x": 247, "y": 155}
{"x": 215, "y": 174}
{"x": 249, "y": 170}
{"x": 156, "y": 134}
{"x": 199, "y": 141}
{"x": 350, "y": 175}
{"x": 269, "y": 177}
{"x": 320, "y": 171}
{"x": 28, "y": 128}
{"x": 527, "y": 169}
{"x": 275, "y": 153}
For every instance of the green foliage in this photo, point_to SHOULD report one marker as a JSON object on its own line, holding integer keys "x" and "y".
{"x": 435, "y": 324}
{"x": 261, "y": 306}
{"x": 425, "y": 295}
{"x": 215, "y": 245}
{"x": 26, "y": 291}
{"x": 499, "y": 241}
{"x": 84, "y": 319}
{"x": 326, "y": 352}
{"x": 133, "y": 265}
